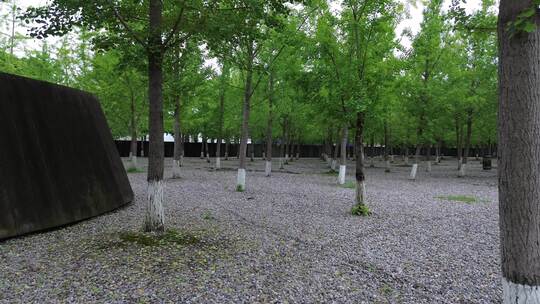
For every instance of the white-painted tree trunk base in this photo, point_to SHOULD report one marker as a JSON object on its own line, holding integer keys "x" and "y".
{"x": 342, "y": 174}
{"x": 462, "y": 170}
{"x": 437, "y": 160}
{"x": 387, "y": 166}
{"x": 286, "y": 159}
{"x": 133, "y": 162}
{"x": 406, "y": 160}
{"x": 226, "y": 156}
{"x": 297, "y": 156}
{"x": 428, "y": 168}
{"x": 520, "y": 294}
{"x": 208, "y": 158}
{"x": 176, "y": 169}
{"x": 264, "y": 156}
{"x": 181, "y": 163}
{"x": 218, "y": 163}
{"x": 360, "y": 192}
{"x": 268, "y": 168}
{"x": 391, "y": 158}
{"x": 241, "y": 180}
{"x": 333, "y": 166}
{"x": 329, "y": 162}
{"x": 155, "y": 218}
{"x": 202, "y": 155}
{"x": 413, "y": 172}
{"x": 280, "y": 163}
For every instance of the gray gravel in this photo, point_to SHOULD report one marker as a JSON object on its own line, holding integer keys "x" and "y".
{"x": 288, "y": 238}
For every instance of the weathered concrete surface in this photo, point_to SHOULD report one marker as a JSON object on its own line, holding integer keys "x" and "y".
{"x": 58, "y": 161}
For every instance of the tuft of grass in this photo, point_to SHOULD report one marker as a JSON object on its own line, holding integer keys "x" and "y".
{"x": 239, "y": 188}
{"x": 349, "y": 185}
{"x": 134, "y": 170}
{"x": 168, "y": 237}
{"x": 386, "y": 290}
{"x": 459, "y": 198}
{"x": 360, "y": 210}
{"x": 207, "y": 215}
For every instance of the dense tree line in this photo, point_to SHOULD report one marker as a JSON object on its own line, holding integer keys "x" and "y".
{"x": 291, "y": 72}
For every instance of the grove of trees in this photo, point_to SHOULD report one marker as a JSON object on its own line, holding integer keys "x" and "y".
{"x": 303, "y": 72}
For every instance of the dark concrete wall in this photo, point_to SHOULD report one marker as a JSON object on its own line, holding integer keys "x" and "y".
{"x": 58, "y": 161}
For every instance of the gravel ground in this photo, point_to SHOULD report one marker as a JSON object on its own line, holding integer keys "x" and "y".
{"x": 287, "y": 239}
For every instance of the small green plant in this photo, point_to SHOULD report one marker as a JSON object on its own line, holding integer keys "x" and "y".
{"x": 386, "y": 290}
{"x": 459, "y": 198}
{"x": 134, "y": 170}
{"x": 207, "y": 215}
{"x": 239, "y": 188}
{"x": 360, "y": 210}
{"x": 349, "y": 185}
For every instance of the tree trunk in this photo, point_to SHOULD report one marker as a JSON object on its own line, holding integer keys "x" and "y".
{"x": 417, "y": 155}
{"x": 459, "y": 147}
{"x": 468, "y": 136}
{"x": 133, "y": 127}
{"x": 207, "y": 150}
{"x": 224, "y": 76}
{"x": 343, "y": 161}
{"x": 518, "y": 151}
{"x": 155, "y": 218}
{"x": 241, "y": 177}
{"x": 428, "y": 158}
{"x": 269, "y": 126}
{"x": 386, "y": 148}
{"x": 202, "y": 146}
{"x": 359, "y": 147}
{"x": 178, "y": 143}
{"x": 227, "y": 143}
{"x": 336, "y": 153}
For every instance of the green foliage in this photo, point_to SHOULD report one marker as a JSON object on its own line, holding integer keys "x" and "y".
{"x": 459, "y": 198}
{"x": 207, "y": 215}
{"x": 134, "y": 170}
{"x": 170, "y": 236}
{"x": 360, "y": 210}
{"x": 326, "y": 66}
{"x": 349, "y": 185}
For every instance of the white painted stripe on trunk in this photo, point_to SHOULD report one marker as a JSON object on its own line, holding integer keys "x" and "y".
{"x": 176, "y": 169}
{"x": 268, "y": 169}
{"x": 241, "y": 180}
{"x": 155, "y": 218}
{"x": 342, "y": 172}
{"x": 520, "y": 294}
{"x": 413, "y": 172}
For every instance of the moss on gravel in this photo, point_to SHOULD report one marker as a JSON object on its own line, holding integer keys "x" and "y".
{"x": 459, "y": 198}
{"x": 157, "y": 239}
{"x": 134, "y": 170}
{"x": 349, "y": 185}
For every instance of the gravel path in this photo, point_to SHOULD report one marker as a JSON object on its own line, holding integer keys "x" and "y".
{"x": 288, "y": 238}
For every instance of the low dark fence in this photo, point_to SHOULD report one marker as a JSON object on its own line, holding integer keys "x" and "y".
{"x": 194, "y": 149}
{"x": 307, "y": 151}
